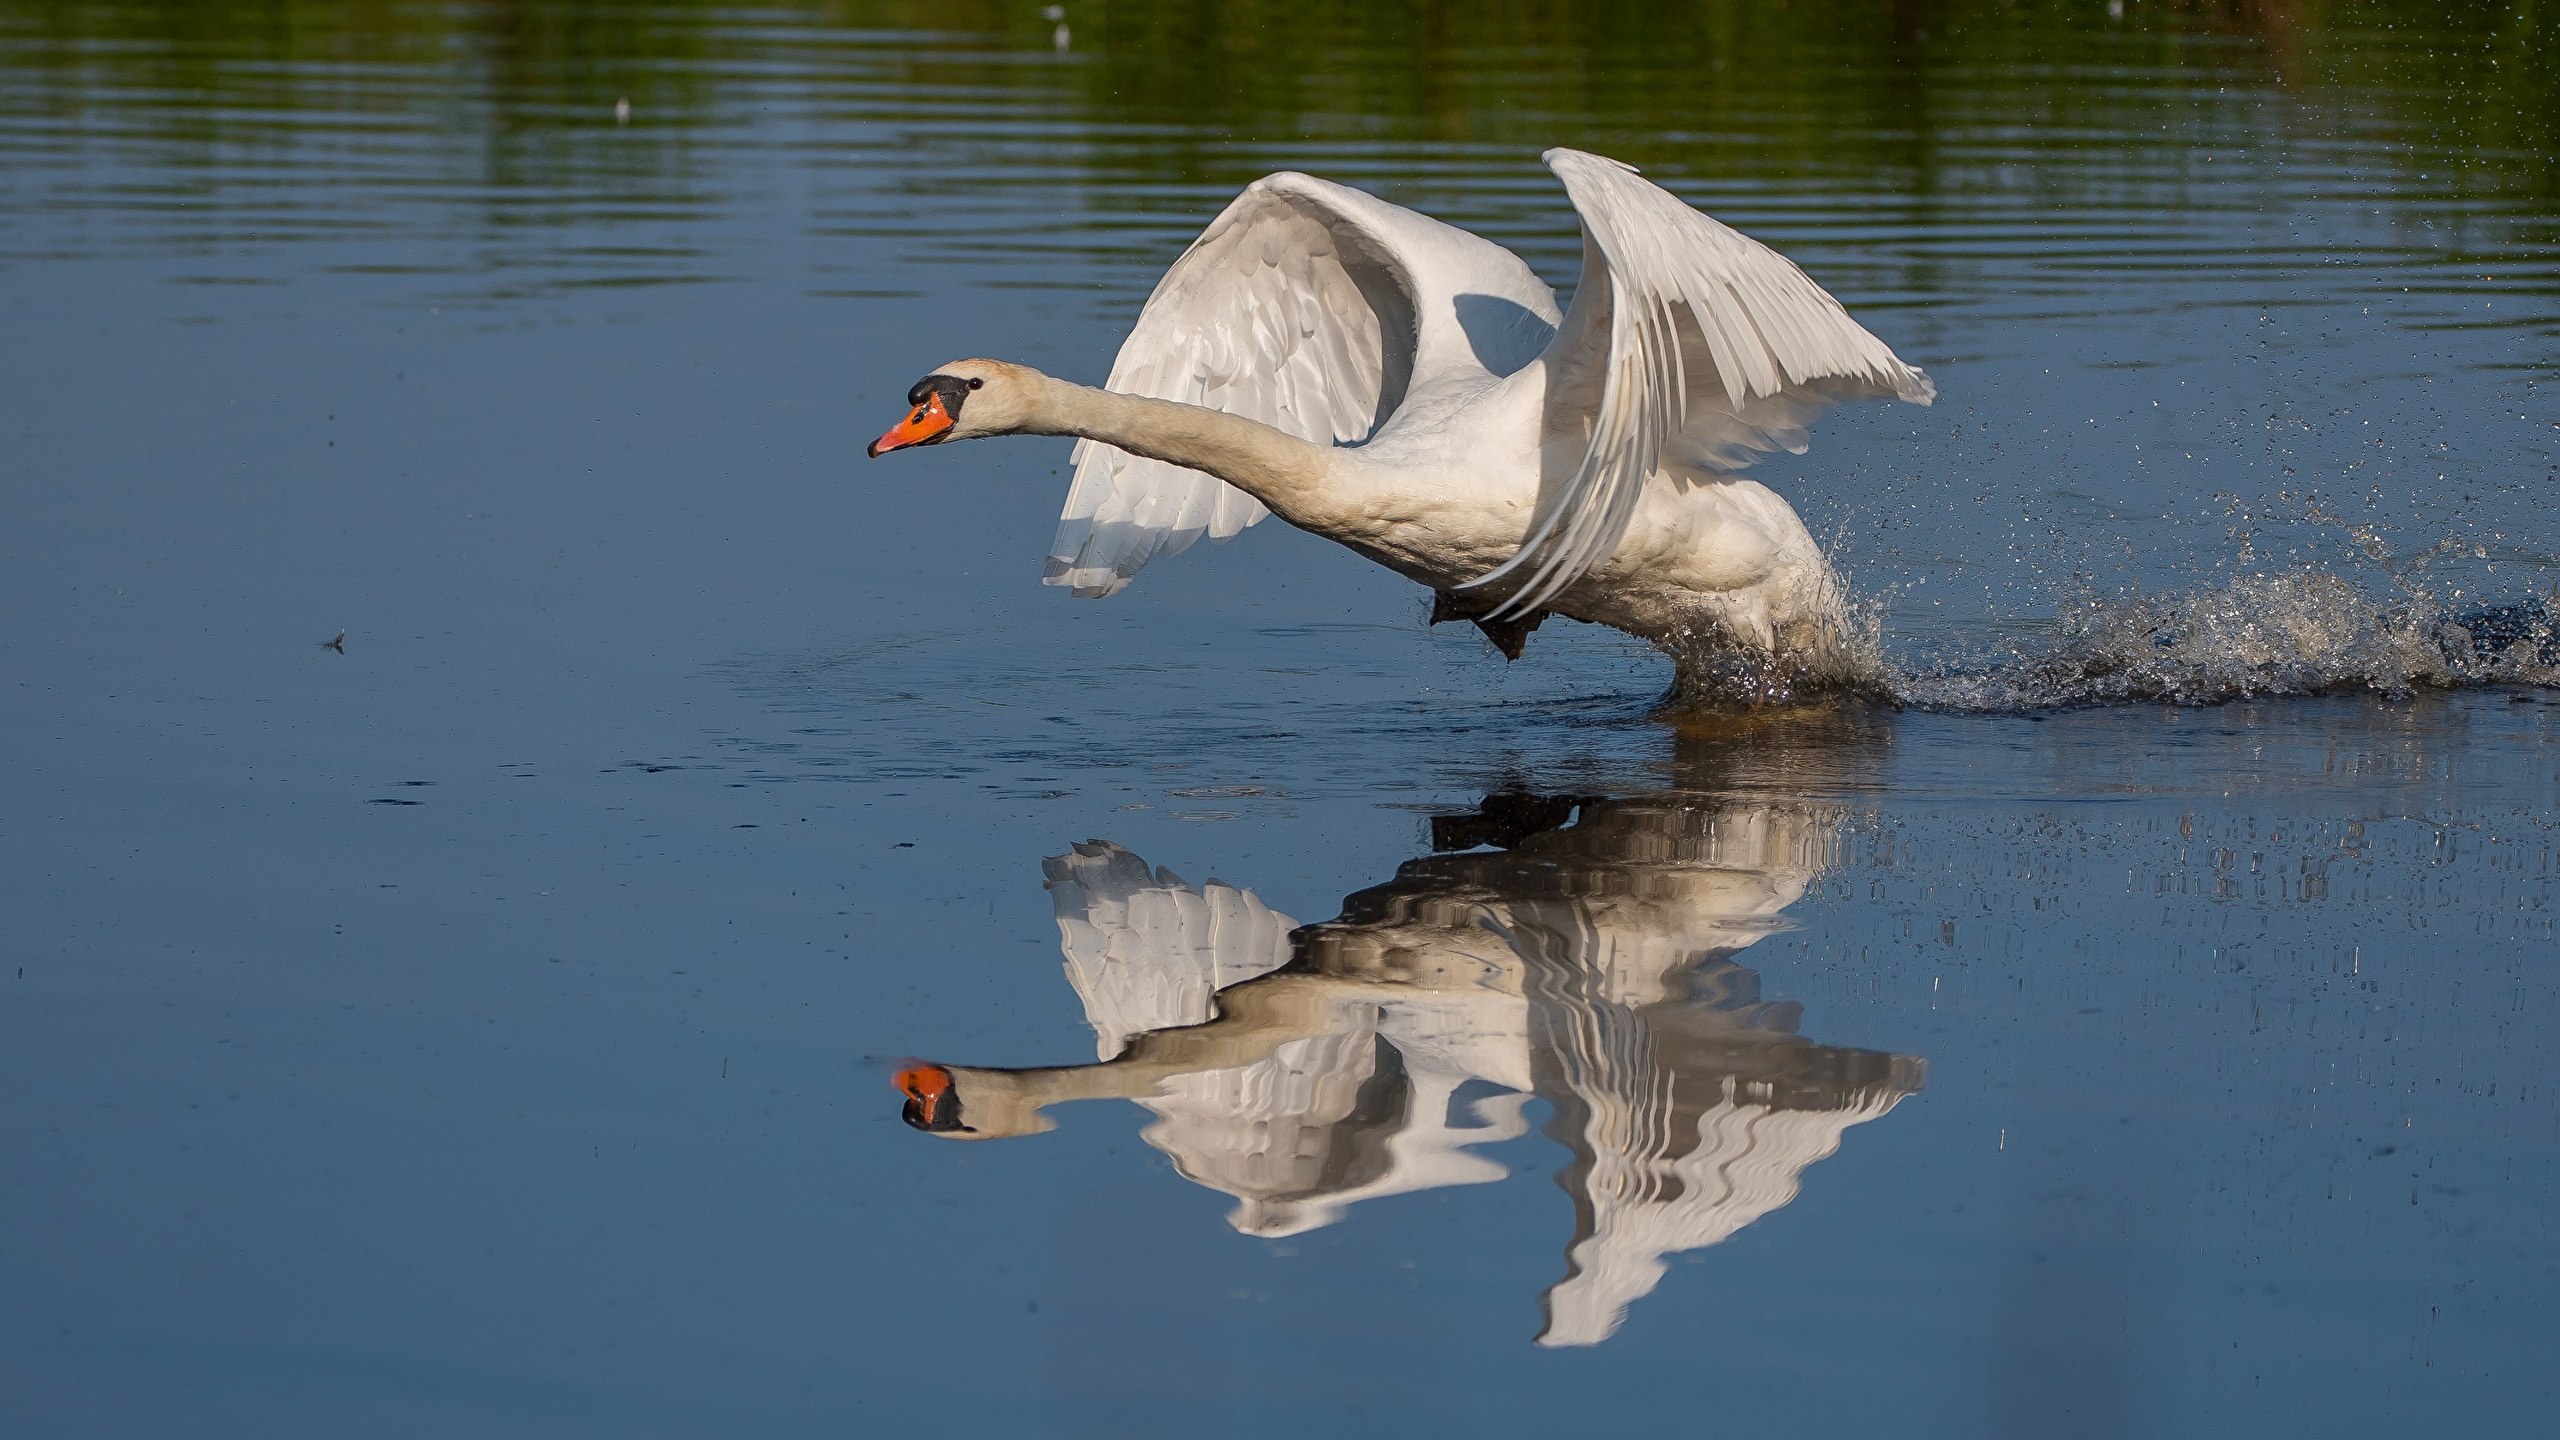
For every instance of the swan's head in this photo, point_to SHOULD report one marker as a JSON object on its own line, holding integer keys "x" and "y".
{"x": 963, "y": 401}
{"x": 933, "y": 1099}
{"x": 998, "y": 1104}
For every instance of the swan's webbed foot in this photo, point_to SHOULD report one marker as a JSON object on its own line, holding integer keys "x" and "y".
{"x": 1508, "y": 636}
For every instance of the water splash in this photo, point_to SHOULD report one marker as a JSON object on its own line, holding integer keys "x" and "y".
{"x": 2304, "y": 631}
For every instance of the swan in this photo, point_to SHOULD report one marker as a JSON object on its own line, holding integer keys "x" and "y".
{"x": 1413, "y": 391}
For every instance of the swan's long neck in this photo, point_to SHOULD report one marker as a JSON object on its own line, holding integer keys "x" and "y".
{"x": 1282, "y": 471}
{"x": 1253, "y": 1020}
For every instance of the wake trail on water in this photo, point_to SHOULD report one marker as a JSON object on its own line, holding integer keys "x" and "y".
{"x": 2299, "y": 632}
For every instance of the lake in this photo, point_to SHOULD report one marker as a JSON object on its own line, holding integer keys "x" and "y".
{"x": 505, "y": 796}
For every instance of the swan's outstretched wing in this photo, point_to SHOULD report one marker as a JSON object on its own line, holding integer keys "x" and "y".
{"x": 1306, "y": 305}
{"x": 1146, "y": 951}
{"x": 1687, "y": 341}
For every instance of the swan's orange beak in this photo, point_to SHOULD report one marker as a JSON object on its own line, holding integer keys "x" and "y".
{"x": 932, "y": 1103}
{"x": 925, "y": 424}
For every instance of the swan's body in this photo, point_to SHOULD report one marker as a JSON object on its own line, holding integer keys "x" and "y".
{"x": 1412, "y": 391}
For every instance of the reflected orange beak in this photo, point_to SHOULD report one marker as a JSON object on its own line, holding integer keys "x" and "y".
{"x": 925, "y": 424}
{"x": 931, "y": 1105}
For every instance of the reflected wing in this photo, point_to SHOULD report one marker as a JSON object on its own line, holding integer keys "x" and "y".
{"x": 1289, "y": 309}
{"x": 1645, "y": 1206}
{"x": 1686, "y": 341}
{"x": 1146, "y": 951}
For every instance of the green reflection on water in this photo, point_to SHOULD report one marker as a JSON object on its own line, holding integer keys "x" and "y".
{"x": 1875, "y": 88}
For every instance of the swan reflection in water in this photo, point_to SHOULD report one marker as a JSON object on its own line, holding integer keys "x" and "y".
{"x": 1576, "y": 949}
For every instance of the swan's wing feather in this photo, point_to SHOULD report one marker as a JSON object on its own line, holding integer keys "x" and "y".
{"x": 1687, "y": 341}
{"x": 1146, "y": 951}
{"x": 1286, "y": 310}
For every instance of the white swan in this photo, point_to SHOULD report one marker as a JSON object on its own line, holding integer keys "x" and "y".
{"x": 1410, "y": 390}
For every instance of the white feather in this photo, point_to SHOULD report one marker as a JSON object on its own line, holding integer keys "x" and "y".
{"x": 1309, "y": 306}
{"x": 1264, "y": 317}
{"x": 1707, "y": 345}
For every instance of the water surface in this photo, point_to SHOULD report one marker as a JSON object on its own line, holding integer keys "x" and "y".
{"x": 491, "y": 1026}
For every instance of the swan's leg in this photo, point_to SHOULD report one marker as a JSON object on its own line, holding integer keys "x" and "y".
{"x": 1508, "y": 636}
{"x": 1511, "y": 636}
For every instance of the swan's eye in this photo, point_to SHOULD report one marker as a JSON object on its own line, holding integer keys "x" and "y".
{"x": 977, "y": 384}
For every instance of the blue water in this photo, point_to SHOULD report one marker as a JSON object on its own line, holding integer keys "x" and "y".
{"x": 489, "y": 1027}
